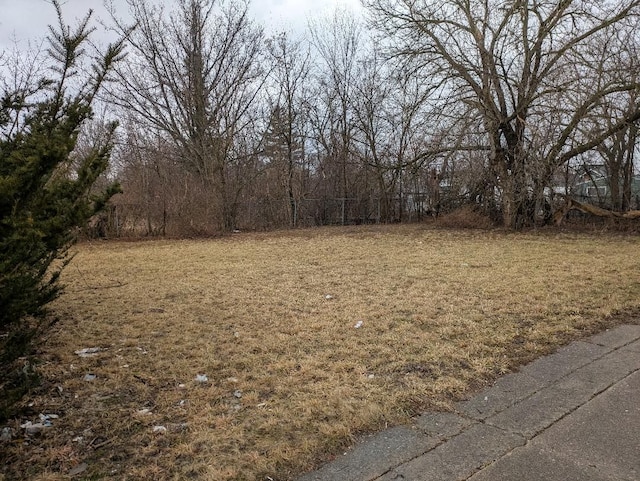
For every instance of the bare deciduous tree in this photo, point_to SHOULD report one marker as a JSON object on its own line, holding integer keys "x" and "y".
{"x": 287, "y": 95}
{"x": 516, "y": 64}
{"x": 393, "y": 119}
{"x": 338, "y": 43}
{"x": 617, "y": 152}
{"x": 193, "y": 74}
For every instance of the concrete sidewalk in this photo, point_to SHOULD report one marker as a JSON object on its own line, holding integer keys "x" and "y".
{"x": 570, "y": 416}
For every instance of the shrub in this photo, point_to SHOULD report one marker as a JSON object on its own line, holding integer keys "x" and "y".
{"x": 46, "y": 189}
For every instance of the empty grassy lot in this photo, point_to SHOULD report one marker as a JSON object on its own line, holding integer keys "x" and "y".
{"x": 271, "y": 319}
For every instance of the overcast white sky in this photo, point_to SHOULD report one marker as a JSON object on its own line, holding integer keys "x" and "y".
{"x": 28, "y": 19}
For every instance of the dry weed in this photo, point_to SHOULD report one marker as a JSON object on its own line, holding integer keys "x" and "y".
{"x": 465, "y": 217}
{"x": 271, "y": 320}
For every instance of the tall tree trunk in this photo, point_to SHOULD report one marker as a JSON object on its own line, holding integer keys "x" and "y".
{"x": 629, "y": 167}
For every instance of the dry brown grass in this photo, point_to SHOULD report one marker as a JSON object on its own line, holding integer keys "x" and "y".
{"x": 441, "y": 311}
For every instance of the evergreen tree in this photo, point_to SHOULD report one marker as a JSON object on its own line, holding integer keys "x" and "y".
{"x": 46, "y": 190}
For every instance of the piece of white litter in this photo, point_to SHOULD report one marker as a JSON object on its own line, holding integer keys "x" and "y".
{"x": 371, "y": 376}
{"x": 202, "y": 378}
{"x": 45, "y": 419}
{"x": 181, "y": 386}
{"x": 328, "y": 297}
{"x": 159, "y": 429}
{"x": 88, "y": 351}
{"x": 79, "y": 469}
{"x": 358, "y": 325}
{"x": 144, "y": 411}
{"x": 31, "y": 428}
{"x": 7, "y": 434}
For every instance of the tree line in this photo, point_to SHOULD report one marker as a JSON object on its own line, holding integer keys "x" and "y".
{"x": 419, "y": 108}
{"x": 224, "y": 127}
{"x": 498, "y": 104}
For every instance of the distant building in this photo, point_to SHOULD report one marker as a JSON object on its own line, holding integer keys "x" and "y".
{"x": 594, "y": 188}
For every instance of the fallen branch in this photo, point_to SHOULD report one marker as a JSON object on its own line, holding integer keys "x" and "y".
{"x": 572, "y": 204}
